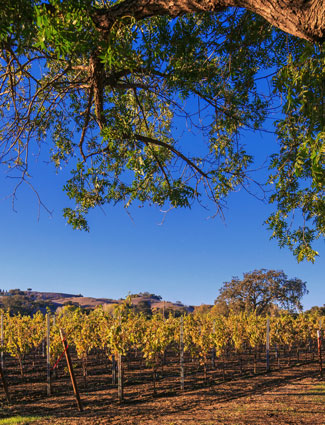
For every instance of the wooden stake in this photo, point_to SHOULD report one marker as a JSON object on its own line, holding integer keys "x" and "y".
{"x": 268, "y": 344}
{"x": 119, "y": 378}
{"x": 213, "y": 349}
{"x": 73, "y": 380}
{"x": 48, "y": 360}
{"x": 5, "y": 386}
{"x": 119, "y": 372}
{"x": 319, "y": 344}
{"x": 181, "y": 353}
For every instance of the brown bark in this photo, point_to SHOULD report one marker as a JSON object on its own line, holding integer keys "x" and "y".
{"x": 21, "y": 366}
{"x": 301, "y": 18}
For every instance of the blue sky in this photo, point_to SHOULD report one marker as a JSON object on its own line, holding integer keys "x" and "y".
{"x": 187, "y": 258}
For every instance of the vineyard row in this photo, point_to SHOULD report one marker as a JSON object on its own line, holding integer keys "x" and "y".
{"x": 202, "y": 336}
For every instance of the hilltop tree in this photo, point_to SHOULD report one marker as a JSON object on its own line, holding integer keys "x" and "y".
{"x": 144, "y": 307}
{"x": 106, "y": 83}
{"x": 259, "y": 291}
{"x": 17, "y": 302}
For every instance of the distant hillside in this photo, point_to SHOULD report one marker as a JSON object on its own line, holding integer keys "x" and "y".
{"x": 30, "y": 301}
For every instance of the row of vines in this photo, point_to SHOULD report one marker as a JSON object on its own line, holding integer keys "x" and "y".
{"x": 119, "y": 332}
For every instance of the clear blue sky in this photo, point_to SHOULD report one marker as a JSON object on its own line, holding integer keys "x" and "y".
{"x": 187, "y": 258}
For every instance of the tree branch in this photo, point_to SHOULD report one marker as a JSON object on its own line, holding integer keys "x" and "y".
{"x": 301, "y": 18}
{"x": 151, "y": 141}
{"x": 85, "y": 126}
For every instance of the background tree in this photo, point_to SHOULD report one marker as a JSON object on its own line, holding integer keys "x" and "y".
{"x": 317, "y": 310}
{"x": 105, "y": 82}
{"x": 143, "y": 307}
{"x": 259, "y": 291}
{"x": 16, "y": 301}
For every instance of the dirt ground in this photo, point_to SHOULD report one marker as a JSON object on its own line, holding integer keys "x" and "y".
{"x": 295, "y": 395}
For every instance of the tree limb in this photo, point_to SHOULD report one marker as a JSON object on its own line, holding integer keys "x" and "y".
{"x": 301, "y": 18}
{"x": 151, "y": 141}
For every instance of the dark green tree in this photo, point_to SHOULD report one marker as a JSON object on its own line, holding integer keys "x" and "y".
{"x": 16, "y": 304}
{"x": 104, "y": 85}
{"x": 17, "y": 301}
{"x": 261, "y": 291}
{"x": 143, "y": 307}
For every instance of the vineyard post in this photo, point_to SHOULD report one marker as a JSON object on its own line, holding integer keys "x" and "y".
{"x": 113, "y": 370}
{"x": 119, "y": 372}
{"x": 55, "y": 370}
{"x": 2, "y": 342}
{"x": 213, "y": 349}
{"x": 181, "y": 352}
{"x": 268, "y": 344}
{"x": 319, "y": 344}
{"x": 73, "y": 380}
{"x": 48, "y": 360}
{"x": 119, "y": 377}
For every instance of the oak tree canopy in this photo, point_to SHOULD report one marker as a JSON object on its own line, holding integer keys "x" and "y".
{"x": 106, "y": 84}
{"x": 261, "y": 290}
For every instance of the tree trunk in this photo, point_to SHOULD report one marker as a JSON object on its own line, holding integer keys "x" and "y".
{"x": 213, "y": 358}
{"x": 301, "y": 18}
{"x": 223, "y": 370}
{"x": 21, "y": 366}
{"x": 154, "y": 379}
{"x": 205, "y": 370}
{"x": 289, "y": 357}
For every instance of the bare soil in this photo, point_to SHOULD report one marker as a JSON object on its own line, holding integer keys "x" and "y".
{"x": 293, "y": 395}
